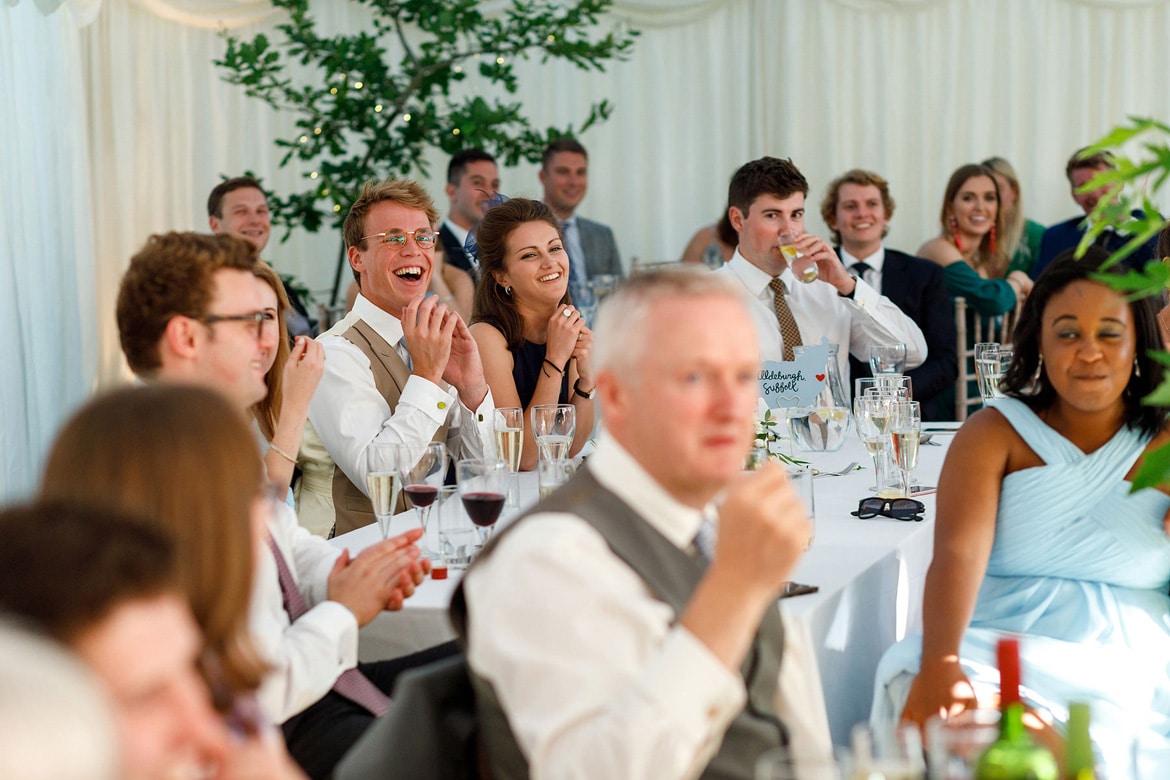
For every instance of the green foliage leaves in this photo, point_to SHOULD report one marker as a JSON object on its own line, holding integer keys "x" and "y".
{"x": 1130, "y": 185}
{"x": 363, "y": 117}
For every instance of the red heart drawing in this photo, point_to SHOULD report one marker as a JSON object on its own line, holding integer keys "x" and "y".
{"x": 820, "y": 377}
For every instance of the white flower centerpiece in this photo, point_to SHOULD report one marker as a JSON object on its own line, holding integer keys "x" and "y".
{"x": 763, "y": 449}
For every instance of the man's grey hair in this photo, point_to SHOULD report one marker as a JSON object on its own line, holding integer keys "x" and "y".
{"x": 620, "y": 333}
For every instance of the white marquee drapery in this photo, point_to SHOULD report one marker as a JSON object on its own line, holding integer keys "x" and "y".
{"x": 117, "y": 125}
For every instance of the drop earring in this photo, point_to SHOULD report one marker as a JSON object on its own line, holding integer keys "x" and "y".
{"x": 508, "y": 290}
{"x": 993, "y": 239}
{"x": 955, "y": 233}
{"x": 1137, "y": 369}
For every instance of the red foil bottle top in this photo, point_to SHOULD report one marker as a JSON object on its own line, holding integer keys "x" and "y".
{"x": 439, "y": 571}
{"x": 1008, "y": 652}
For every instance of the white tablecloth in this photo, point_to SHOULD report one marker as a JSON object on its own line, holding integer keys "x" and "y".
{"x": 870, "y": 574}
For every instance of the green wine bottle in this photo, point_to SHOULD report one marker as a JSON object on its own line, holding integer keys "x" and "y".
{"x": 1014, "y": 756}
{"x": 1080, "y": 763}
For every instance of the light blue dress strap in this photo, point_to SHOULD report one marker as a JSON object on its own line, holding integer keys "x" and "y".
{"x": 1112, "y": 461}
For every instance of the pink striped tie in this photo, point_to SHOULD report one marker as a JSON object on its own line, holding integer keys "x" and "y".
{"x": 352, "y": 684}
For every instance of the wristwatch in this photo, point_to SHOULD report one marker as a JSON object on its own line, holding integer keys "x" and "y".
{"x": 578, "y": 391}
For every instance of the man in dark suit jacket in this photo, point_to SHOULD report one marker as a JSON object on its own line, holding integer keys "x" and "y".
{"x": 1066, "y": 235}
{"x": 564, "y": 173}
{"x": 472, "y": 178}
{"x": 857, "y": 208}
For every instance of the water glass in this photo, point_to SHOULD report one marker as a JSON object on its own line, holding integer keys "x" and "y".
{"x": 987, "y": 368}
{"x": 458, "y": 538}
{"x": 553, "y": 426}
{"x": 801, "y": 479}
{"x": 954, "y": 744}
{"x": 884, "y": 384}
{"x": 787, "y": 243}
{"x": 888, "y": 751}
{"x": 783, "y": 763}
{"x": 887, "y": 358}
{"x": 551, "y": 474}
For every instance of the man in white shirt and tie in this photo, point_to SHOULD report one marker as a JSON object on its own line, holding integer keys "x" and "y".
{"x": 765, "y": 199}
{"x": 564, "y": 174}
{"x": 399, "y": 368}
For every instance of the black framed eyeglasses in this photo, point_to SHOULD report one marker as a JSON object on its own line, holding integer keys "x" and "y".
{"x": 898, "y": 508}
{"x": 396, "y": 237}
{"x": 258, "y": 317}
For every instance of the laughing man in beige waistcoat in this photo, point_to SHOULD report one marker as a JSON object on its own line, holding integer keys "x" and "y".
{"x": 398, "y": 368}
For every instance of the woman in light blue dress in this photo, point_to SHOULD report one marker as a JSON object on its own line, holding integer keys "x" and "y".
{"x": 1039, "y": 536}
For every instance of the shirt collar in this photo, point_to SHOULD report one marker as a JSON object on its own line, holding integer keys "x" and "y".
{"x": 385, "y": 324}
{"x": 755, "y": 279}
{"x": 617, "y": 471}
{"x": 874, "y": 261}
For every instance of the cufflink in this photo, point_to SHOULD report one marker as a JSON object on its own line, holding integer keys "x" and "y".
{"x": 442, "y": 404}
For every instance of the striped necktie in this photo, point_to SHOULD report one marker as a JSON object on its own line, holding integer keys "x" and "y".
{"x": 352, "y": 684}
{"x": 788, "y": 328}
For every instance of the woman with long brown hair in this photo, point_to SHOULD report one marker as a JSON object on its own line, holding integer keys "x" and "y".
{"x": 293, "y": 375}
{"x": 970, "y": 247}
{"x": 181, "y": 458}
{"x": 535, "y": 346}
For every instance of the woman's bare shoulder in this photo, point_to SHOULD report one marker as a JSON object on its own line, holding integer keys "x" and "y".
{"x": 941, "y": 251}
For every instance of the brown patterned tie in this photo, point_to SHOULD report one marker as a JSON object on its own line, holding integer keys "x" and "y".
{"x": 788, "y": 328}
{"x": 352, "y": 684}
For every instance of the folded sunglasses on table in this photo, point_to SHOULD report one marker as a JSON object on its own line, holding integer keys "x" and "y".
{"x": 898, "y": 508}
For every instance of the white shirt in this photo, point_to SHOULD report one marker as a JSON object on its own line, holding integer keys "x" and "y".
{"x": 348, "y": 413}
{"x": 875, "y": 261}
{"x": 869, "y": 318}
{"x": 308, "y": 656}
{"x": 596, "y": 679}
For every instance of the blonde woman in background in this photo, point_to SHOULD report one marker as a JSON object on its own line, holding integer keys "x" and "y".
{"x": 1021, "y": 236}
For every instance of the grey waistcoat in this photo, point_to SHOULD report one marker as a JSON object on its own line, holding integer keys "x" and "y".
{"x": 671, "y": 575}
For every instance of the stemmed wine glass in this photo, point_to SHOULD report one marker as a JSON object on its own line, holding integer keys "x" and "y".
{"x": 905, "y": 430}
{"x": 482, "y": 486}
{"x": 422, "y": 472}
{"x": 553, "y": 425}
{"x": 872, "y": 412}
{"x": 509, "y": 429}
{"x": 383, "y": 462}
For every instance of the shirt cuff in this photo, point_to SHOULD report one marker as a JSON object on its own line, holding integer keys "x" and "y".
{"x": 334, "y": 618}
{"x": 713, "y": 695}
{"x": 864, "y": 295}
{"x": 429, "y": 398}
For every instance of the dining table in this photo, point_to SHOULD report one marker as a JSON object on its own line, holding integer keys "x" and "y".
{"x": 868, "y": 575}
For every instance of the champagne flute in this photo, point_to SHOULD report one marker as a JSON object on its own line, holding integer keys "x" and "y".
{"x": 871, "y": 410}
{"x": 482, "y": 489}
{"x": 383, "y": 462}
{"x": 905, "y": 431}
{"x": 553, "y": 426}
{"x": 509, "y": 429}
{"x": 887, "y": 358}
{"x": 422, "y": 473}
